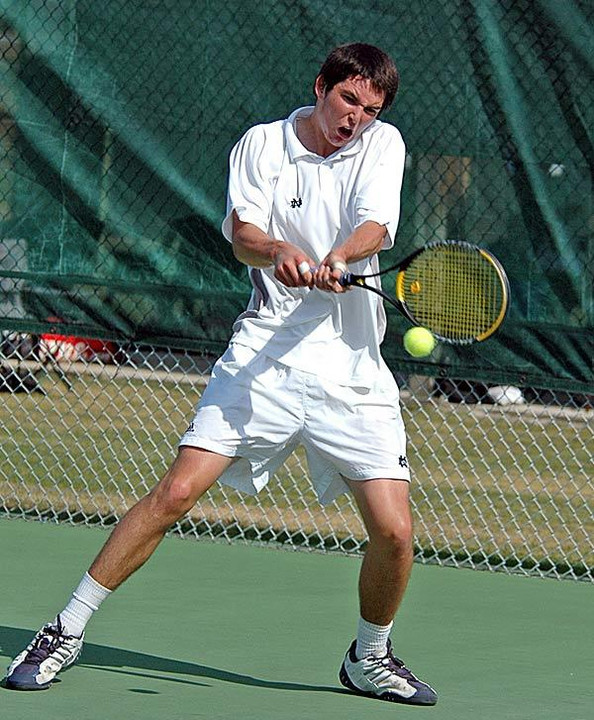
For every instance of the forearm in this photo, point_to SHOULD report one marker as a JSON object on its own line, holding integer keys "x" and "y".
{"x": 364, "y": 241}
{"x": 253, "y": 246}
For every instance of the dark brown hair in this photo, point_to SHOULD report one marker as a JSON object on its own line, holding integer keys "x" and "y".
{"x": 360, "y": 59}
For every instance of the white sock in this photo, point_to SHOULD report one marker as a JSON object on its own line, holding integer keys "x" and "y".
{"x": 372, "y": 639}
{"x": 87, "y": 598}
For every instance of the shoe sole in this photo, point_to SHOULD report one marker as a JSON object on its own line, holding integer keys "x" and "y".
{"x": 34, "y": 687}
{"x": 22, "y": 687}
{"x": 386, "y": 697}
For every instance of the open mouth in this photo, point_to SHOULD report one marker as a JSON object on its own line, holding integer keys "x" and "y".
{"x": 345, "y": 132}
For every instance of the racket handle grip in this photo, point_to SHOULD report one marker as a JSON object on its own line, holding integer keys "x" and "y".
{"x": 347, "y": 278}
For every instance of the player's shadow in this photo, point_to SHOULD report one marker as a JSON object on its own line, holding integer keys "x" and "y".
{"x": 136, "y": 664}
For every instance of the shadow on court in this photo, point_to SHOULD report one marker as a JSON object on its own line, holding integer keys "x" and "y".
{"x": 135, "y": 664}
{"x": 495, "y": 646}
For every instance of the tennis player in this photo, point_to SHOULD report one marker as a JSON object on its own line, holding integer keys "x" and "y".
{"x": 308, "y": 197}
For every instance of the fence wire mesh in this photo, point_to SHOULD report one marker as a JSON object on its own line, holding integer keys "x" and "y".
{"x": 116, "y": 120}
{"x": 501, "y": 480}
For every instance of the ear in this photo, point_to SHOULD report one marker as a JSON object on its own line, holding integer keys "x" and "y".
{"x": 319, "y": 87}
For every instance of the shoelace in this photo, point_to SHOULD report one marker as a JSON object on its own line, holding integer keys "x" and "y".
{"x": 49, "y": 641}
{"x": 396, "y": 664}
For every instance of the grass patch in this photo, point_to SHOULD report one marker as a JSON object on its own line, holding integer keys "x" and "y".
{"x": 502, "y": 489}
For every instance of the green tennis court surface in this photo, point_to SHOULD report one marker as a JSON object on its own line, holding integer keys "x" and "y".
{"x": 221, "y": 632}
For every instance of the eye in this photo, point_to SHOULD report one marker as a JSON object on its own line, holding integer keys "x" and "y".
{"x": 372, "y": 111}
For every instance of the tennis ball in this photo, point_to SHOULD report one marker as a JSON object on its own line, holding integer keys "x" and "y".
{"x": 419, "y": 342}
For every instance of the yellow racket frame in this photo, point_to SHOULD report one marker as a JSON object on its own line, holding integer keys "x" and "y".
{"x": 458, "y": 291}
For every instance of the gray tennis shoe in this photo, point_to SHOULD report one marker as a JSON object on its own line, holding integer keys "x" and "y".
{"x": 50, "y": 651}
{"x": 385, "y": 678}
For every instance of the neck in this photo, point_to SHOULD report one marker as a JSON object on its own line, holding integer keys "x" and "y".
{"x": 310, "y": 135}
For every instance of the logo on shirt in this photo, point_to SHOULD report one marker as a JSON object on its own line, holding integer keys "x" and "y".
{"x": 402, "y": 461}
{"x": 296, "y": 202}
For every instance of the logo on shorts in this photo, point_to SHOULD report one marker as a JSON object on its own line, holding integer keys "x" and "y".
{"x": 402, "y": 461}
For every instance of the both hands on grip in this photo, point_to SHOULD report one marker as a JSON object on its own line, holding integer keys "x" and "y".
{"x": 295, "y": 269}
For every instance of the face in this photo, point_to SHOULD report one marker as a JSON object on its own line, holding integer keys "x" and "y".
{"x": 346, "y": 110}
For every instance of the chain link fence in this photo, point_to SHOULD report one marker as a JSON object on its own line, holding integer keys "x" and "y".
{"x": 502, "y": 480}
{"x": 117, "y": 290}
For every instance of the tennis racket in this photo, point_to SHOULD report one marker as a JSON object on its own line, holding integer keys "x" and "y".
{"x": 458, "y": 291}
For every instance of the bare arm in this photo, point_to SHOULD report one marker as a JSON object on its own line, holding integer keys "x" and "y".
{"x": 254, "y": 247}
{"x": 365, "y": 240}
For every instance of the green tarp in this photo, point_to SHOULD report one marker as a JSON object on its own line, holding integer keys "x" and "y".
{"x": 117, "y": 119}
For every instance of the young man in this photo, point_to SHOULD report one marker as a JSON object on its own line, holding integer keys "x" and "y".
{"x": 308, "y": 196}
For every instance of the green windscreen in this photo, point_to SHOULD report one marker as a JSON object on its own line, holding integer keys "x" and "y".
{"x": 117, "y": 117}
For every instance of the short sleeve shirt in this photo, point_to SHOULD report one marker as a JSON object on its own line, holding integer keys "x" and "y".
{"x": 315, "y": 202}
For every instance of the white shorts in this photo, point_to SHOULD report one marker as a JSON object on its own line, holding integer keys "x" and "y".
{"x": 258, "y": 410}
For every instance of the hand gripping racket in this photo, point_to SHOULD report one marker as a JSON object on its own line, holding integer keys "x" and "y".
{"x": 458, "y": 291}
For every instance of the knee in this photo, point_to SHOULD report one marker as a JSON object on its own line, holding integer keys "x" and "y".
{"x": 395, "y": 537}
{"x": 172, "y": 498}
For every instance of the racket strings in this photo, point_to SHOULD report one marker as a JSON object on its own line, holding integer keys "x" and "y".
{"x": 456, "y": 291}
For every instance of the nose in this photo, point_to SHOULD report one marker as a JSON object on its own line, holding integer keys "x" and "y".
{"x": 355, "y": 116}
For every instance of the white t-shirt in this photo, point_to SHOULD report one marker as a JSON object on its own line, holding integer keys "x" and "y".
{"x": 293, "y": 194}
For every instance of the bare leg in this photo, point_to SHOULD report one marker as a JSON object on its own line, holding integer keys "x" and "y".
{"x": 140, "y": 531}
{"x": 384, "y": 507}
